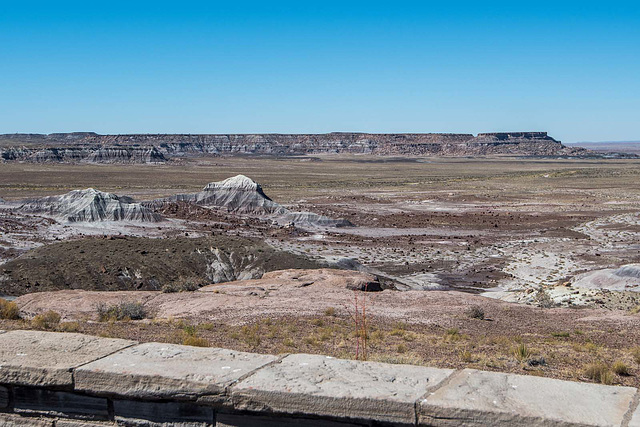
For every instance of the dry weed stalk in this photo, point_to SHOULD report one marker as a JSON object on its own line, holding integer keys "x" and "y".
{"x": 358, "y": 315}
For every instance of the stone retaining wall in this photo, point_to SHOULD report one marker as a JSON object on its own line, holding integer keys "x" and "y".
{"x": 55, "y": 379}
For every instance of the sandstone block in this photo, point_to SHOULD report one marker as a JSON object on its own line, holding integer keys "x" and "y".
{"x": 324, "y": 386}
{"x": 58, "y": 403}
{"x": 13, "y": 420}
{"x": 154, "y": 370}
{"x": 478, "y": 398}
{"x": 47, "y": 358}
{"x": 253, "y": 420}
{"x": 83, "y": 423}
{"x": 181, "y": 413}
{"x": 635, "y": 418}
{"x": 4, "y": 397}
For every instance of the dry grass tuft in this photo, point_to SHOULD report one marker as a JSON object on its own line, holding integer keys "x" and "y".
{"x": 599, "y": 372}
{"x": 195, "y": 341}
{"x": 69, "y": 327}
{"x": 621, "y": 368}
{"x": 121, "y": 311}
{"x": 521, "y": 352}
{"x": 47, "y": 321}
{"x": 9, "y": 310}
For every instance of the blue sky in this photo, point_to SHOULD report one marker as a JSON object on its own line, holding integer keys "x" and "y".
{"x": 570, "y": 68}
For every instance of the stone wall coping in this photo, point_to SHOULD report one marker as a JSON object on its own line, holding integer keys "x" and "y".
{"x": 302, "y": 385}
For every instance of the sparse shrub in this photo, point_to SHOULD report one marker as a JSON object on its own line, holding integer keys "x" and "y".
{"x": 475, "y": 312}
{"x": 9, "y": 310}
{"x": 452, "y": 334}
{"x": 599, "y": 372}
{"x": 207, "y": 326}
{"x": 543, "y": 299}
{"x": 401, "y": 359}
{"x": 410, "y": 336}
{"x": 182, "y": 285}
{"x": 46, "y": 321}
{"x": 251, "y": 335}
{"x": 69, "y": 327}
{"x": 377, "y": 335}
{"x": 195, "y": 341}
{"x": 330, "y": 311}
{"x": 521, "y": 352}
{"x": 121, "y": 311}
{"x": 289, "y": 342}
{"x": 466, "y": 356}
{"x": 317, "y": 322}
{"x": 401, "y": 348}
{"x": 621, "y": 368}
{"x": 397, "y": 332}
{"x": 635, "y": 353}
{"x": 560, "y": 334}
{"x": 190, "y": 330}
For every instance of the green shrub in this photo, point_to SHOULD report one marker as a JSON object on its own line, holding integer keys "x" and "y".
{"x": 521, "y": 353}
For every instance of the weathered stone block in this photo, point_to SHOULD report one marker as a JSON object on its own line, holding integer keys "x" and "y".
{"x": 4, "y": 397}
{"x": 254, "y": 420}
{"x": 13, "y": 420}
{"x": 82, "y": 423}
{"x": 323, "y": 386}
{"x": 182, "y": 413}
{"x": 477, "y": 398}
{"x": 154, "y": 370}
{"x": 47, "y": 358}
{"x": 635, "y": 418}
{"x": 59, "y": 403}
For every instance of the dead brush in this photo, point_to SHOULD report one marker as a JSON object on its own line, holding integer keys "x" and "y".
{"x": 46, "y": 321}
{"x": 599, "y": 372}
{"x": 9, "y": 310}
{"x": 358, "y": 314}
{"x": 122, "y": 311}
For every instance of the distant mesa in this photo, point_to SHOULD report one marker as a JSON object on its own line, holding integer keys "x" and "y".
{"x": 158, "y": 148}
{"x": 90, "y": 205}
{"x": 242, "y": 195}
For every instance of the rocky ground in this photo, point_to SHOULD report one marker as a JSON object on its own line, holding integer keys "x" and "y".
{"x": 313, "y": 311}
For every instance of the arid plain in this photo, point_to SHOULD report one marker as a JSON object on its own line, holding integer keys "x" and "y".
{"x": 486, "y": 262}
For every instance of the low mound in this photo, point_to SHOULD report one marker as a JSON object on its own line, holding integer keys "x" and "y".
{"x": 625, "y": 278}
{"x": 299, "y": 278}
{"x": 237, "y": 194}
{"x": 136, "y": 263}
{"x": 242, "y": 195}
{"x": 278, "y": 293}
{"x": 90, "y": 205}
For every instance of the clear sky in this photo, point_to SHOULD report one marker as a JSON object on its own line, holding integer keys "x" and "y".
{"x": 569, "y": 68}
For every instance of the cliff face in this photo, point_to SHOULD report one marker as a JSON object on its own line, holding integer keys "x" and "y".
{"x": 82, "y": 153}
{"x": 148, "y": 148}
